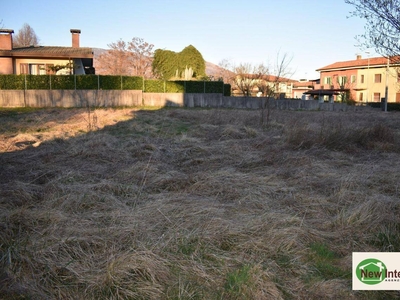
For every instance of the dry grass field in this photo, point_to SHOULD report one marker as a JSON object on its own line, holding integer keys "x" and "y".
{"x": 194, "y": 204}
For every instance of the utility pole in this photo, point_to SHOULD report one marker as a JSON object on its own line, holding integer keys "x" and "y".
{"x": 386, "y": 87}
{"x": 367, "y": 52}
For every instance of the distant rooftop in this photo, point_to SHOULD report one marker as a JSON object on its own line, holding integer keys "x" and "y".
{"x": 49, "y": 51}
{"x": 360, "y": 62}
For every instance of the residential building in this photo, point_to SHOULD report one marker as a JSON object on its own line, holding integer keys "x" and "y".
{"x": 361, "y": 80}
{"x": 41, "y": 60}
{"x": 259, "y": 85}
{"x": 302, "y": 86}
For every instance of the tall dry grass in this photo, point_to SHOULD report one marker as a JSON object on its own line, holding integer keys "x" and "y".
{"x": 194, "y": 204}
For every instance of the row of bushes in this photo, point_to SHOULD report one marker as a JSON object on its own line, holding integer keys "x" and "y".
{"x": 108, "y": 82}
{"x": 390, "y": 105}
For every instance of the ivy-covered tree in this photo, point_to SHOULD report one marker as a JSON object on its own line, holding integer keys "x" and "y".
{"x": 166, "y": 64}
{"x": 191, "y": 57}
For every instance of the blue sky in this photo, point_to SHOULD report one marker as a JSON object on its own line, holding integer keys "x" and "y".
{"x": 314, "y": 33}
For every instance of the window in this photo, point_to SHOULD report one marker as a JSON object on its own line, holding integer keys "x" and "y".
{"x": 353, "y": 79}
{"x": 362, "y": 78}
{"x": 342, "y": 80}
{"x": 35, "y": 69}
{"x": 377, "y": 97}
{"x": 360, "y": 97}
{"x": 378, "y": 78}
{"x": 327, "y": 80}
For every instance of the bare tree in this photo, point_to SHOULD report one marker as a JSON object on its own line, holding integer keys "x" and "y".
{"x": 382, "y": 26}
{"x": 279, "y": 73}
{"x": 225, "y": 72}
{"x": 114, "y": 61}
{"x": 244, "y": 79}
{"x": 132, "y": 58}
{"x": 141, "y": 57}
{"x": 261, "y": 74}
{"x": 25, "y": 37}
{"x": 249, "y": 77}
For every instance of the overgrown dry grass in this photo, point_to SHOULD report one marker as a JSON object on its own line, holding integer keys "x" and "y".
{"x": 194, "y": 204}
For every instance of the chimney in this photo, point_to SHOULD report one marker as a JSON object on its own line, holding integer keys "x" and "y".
{"x": 6, "y": 39}
{"x": 75, "y": 37}
{"x": 358, "y": 56}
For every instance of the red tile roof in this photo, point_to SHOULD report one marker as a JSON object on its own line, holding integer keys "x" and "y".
{"x": 270, "y": 78}
{"x": 304, "y": 84}
{"x": 362, "y": 62}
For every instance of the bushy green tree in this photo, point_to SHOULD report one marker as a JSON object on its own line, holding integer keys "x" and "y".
{"x": 166, "y": 63}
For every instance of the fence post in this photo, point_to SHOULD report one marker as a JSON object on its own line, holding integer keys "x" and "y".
{"x": 25, "y": 92}
{"x": 98, "y": 82}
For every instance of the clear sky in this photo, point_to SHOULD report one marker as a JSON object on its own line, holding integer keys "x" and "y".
{"x": 315, "y": 33}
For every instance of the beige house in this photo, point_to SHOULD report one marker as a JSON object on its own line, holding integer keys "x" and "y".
{"x": 41, "y": 60}
{"x": 261, "y": 85}
{"x": 363, "y": 79}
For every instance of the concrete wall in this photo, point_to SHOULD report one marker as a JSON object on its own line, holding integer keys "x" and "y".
{"x": 163, "y": 99}
{"x": 69, "y": 98}
{"x": 217, "y": 100}
{"x": 114, "y": 98}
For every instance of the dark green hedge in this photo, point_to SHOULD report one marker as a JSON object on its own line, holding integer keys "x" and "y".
{"x": 161, "y": 86}
{"x": 108, "y": 82}
{"x": 65, "y": 82}
{"x": 154, "y": 86}
{"x": 180, "y": 86}
{"x": 227, "y": 89}
{"x": 87, "y": 82}
{"x": 70, "y": 82}
{"x": 132, "y": 83}
{"x": 37, "y": 82}
{"x": 390, "y": 106}
{"x": 194, "y": 86}
{"x": 12, "y": 82}
{"x": 214, "y": 87}
{"x": 175, "y": 87}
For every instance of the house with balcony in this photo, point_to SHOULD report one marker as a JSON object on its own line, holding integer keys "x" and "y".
{"x": 361, "y": 80}
{"x": 303, "y": 86}
{"x": 42, "y": 60}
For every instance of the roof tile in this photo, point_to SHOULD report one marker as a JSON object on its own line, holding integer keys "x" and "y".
{"x": 373, "y": 61}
